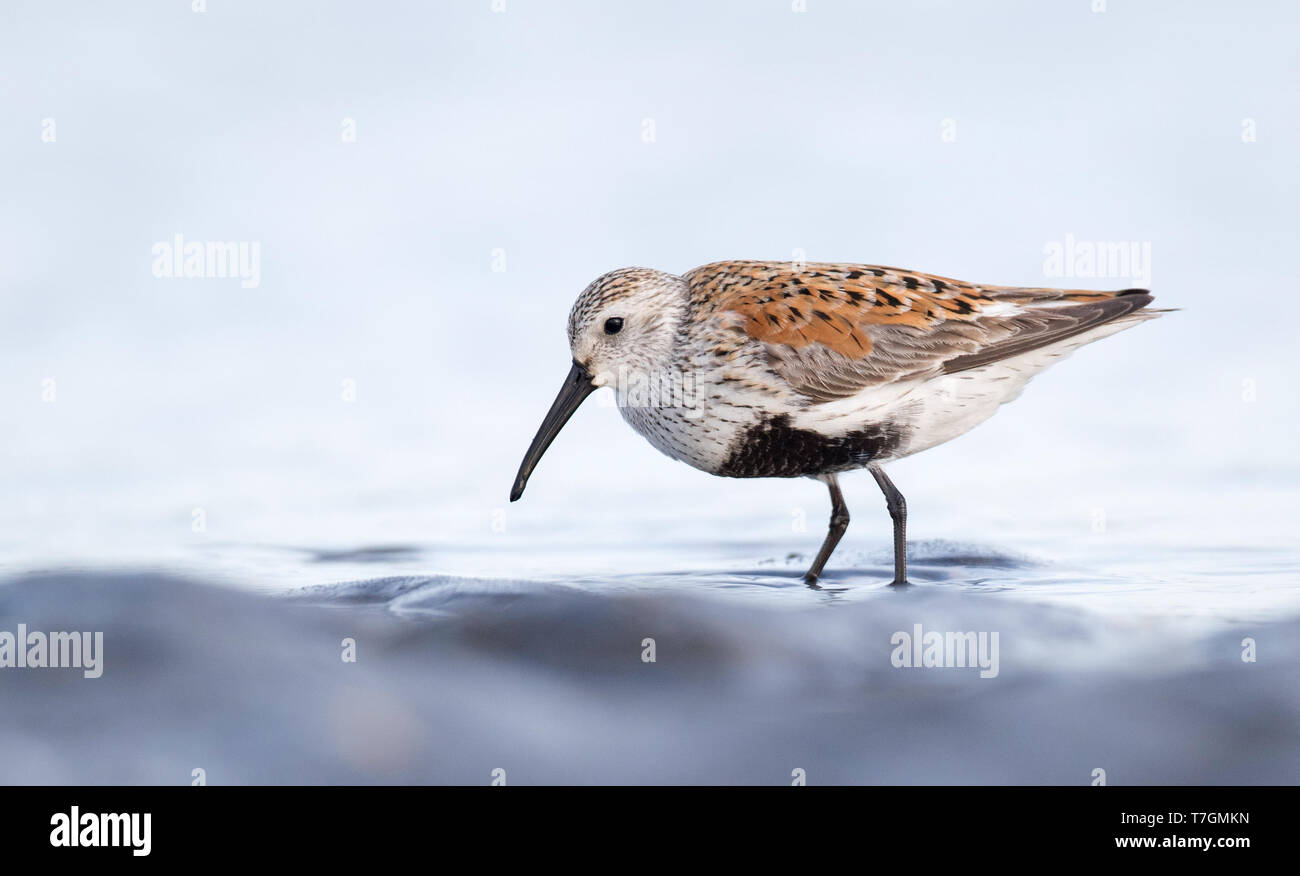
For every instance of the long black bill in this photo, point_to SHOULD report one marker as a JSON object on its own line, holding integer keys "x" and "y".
{"x": 577, "y": 386}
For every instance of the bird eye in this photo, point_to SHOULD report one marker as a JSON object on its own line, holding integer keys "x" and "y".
{"x": 613, "y": 325}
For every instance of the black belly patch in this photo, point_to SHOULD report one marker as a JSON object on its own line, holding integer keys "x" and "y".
{"x": 775, "y": 449}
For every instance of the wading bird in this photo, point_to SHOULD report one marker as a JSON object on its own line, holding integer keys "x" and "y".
{"x": 810, "y": 370}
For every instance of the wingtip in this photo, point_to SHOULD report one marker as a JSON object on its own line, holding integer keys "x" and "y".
{"x": 1135, "y": 300}
{"x": 1142, "y": 308}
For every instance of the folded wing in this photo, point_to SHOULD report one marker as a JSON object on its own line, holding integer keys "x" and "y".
{"x": 832, "y": 330}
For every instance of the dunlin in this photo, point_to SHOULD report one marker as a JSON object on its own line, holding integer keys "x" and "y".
{"x": 751, "y": 369}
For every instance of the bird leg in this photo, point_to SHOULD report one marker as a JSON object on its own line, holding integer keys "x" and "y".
{"x": 839, "y": 523}
{"x": 898, "y": 511}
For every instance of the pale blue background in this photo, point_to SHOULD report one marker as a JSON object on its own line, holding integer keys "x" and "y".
{"x": 522, "y": 130}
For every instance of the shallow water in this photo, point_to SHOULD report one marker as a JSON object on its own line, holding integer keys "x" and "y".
{"x": 1128, "y": 661}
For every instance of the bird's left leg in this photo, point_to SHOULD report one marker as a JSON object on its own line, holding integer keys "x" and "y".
{"x": 839, "y": 523}
{"x": 898, "y": 513}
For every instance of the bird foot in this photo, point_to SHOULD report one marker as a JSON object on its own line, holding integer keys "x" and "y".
{"x": 813, "y": 584}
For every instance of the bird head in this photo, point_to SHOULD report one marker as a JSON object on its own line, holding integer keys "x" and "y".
{"x": 624, "y": 322}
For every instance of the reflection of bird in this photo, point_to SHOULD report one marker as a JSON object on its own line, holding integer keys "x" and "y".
{"x": 771, "y": 369}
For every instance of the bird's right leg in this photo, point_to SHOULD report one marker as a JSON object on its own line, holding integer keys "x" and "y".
{"x": 839, "y": 523}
